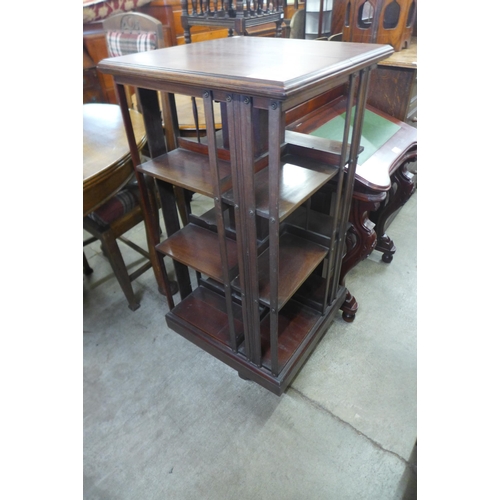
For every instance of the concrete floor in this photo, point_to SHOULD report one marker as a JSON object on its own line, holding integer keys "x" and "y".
{"x": 165, "y": 420}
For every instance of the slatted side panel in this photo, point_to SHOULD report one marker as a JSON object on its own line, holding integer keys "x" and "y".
{"x": 347, "y": 190}
{"x": 275, "y": 136}
{"x": 337, "y": 238}
{"x": 241, "y": 143}
{"x": 219, "y": 209}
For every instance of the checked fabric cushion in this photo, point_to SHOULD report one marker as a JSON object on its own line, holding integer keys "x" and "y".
{"x": 116, "y": 207}
{"x": 122, "y": 44}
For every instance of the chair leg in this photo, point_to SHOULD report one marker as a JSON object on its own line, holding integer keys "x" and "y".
{"x": 118, "y": 265}
{"x": 86, "y": 268}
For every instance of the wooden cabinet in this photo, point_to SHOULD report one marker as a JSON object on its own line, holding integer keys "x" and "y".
{"x": 237, "y": 18}
{"x": 258, "y": 286}
{"x": 377, "y": 21}
{"x": 393, "y": 85}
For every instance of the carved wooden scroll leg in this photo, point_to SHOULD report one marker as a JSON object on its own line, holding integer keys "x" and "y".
{"x": 361, "y": 237}
{"x": 403, "y": 186}
{"x": 360, "y": 242}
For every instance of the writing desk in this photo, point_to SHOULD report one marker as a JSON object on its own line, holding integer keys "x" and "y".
{"x": 382, "y": 183}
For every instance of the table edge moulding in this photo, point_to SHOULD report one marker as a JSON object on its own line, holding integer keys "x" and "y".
{"x": 264, "y": 290}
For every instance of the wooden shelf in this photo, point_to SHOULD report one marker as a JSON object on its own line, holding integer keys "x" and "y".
{"x": 188, "y": 170}
{"x": 205, "y": 310}
{"x": 312, "y": 292}
{"x": 198, "y": 248}
{"x": 312, "y": 221}
{"x": 202, "y": 319}
{"x": 300, "y": 177}
{"x": 208, "y": 220}
{"x": 327, "y": 149}
{"x": 295, "y": 322}
{"x": 297, "y": 260}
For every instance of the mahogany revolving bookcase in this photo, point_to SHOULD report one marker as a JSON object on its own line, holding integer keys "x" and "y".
{"x": 257, "y": 289}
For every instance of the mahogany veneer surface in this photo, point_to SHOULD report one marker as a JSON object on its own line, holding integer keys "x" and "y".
{"x": 269, "y": 67}
{"x": 206, "y": 311}
{"x": 186, "y": 169}
{"x": 298, "y": 257}
{"x": 296, "y": 184}
{"x": 199, "y": 248}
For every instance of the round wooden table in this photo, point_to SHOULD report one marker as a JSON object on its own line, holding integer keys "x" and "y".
{"x": 107, "y": 165}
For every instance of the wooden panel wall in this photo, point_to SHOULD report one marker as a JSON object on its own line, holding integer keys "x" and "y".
{"x": 338, "y": 16}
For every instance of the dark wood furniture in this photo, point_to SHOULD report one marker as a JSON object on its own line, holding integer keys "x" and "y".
{"x": 237, "y": 16}
{"x": 266, "y": 290}
{"x": 382, "y": 185}
{"x": 375, "y": 201}
{"x": 107, "y": 168}
{"x": 393, "y": 85}
{"x": 380, "y": 21}
{"x": 170, "y": 13}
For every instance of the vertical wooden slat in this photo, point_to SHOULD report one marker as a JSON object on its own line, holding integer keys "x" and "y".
{"x": 247, "y": 197}
{"x": 170, "y": 120}
{"x": 320, "y": 20}
{"x": 275, "y": 135}
{"x": 225, "y": 132}
{"x": 152, "y": 121}
{"x": 351, "y": 171}
{"x": 221, "y": 229}
{"x": 232, "y": 134}
{"x": 239, "y": 121}
{"x": 148, "y": 203}
{"x": 172, "y": 225}
{"x": 171, "y": 129}
{"x": 169, "y": 111}
{"x": 157, "y": 146}
{"x": 337, "y": 239}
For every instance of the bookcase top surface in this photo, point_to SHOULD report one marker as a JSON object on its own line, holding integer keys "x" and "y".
{"x": 266, "y": 67}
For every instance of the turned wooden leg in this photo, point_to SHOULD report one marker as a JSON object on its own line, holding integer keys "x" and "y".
{"x": 119, "y": 268}
{"x": 387, "y": 247}
{"x": 86, "y": 267}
